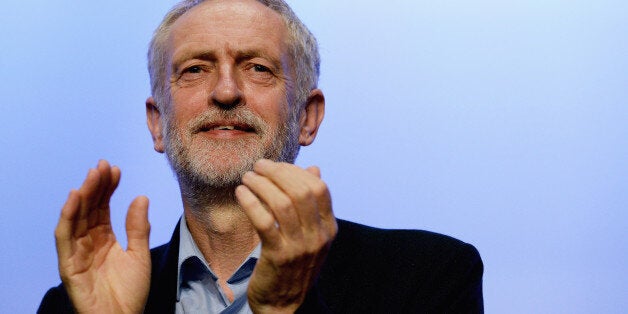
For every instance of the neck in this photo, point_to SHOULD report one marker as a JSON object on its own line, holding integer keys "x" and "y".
{"x": 219, "y": 228}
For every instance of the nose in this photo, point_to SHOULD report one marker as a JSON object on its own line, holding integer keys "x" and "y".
{"x": 226, "y": 93}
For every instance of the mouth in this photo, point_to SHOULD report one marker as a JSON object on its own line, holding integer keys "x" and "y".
{"x": 225, "y": 126}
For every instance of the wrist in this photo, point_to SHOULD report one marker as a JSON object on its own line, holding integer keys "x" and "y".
{"x": 268, "y": 308}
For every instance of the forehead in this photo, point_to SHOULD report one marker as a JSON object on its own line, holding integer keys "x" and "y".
{"x": 238, "y": 24}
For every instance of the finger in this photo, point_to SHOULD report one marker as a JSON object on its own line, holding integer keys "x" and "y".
{"x": 314, "y": 170}
{"x": 324, "y": 199}
{"x": 104, "y": 210}
{"x": 64, "y": 230}
{"x": 278, "y": 203}
{"x": 320, "y": 225}
{"x": 305, "y": 189}
{"x": 109, "y": 179}
{"x": 137, "y": 226}
{"x": 86, "y": 193}
{"x": 96, "y": 199}
{"x": 291, "y": 179}
{"x": 322, "y": 193}
{"x": 97, "y": 196}
{"x": 325, "y": 208}
{"x": 308, "y": 191}
{"x": 263, "y": 221}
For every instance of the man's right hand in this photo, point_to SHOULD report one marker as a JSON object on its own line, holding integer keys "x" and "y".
{"x": 98, "y": 274}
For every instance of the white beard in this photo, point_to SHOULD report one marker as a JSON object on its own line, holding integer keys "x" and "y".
{"x": 202, "y": 164}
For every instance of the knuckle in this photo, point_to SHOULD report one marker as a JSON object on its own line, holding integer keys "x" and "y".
{"x": 333, "y": 230}
{"x": 303, "y": 193}
{"x": 312, "y": 250}
{"x": 58, "y": 233}
{"x": 319, "y": 188}
{"x": 324, "y": 241}
{"x": 287, "y": 258}
{"x": 266, "y": 227}
{"x": 282, "y": 205}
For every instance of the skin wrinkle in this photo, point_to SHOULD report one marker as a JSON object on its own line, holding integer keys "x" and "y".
{"x": 119, "y": 280}
{"x": 180, "y": 62}
{"x": 197, "y": 177}
{"x": 205, "y": 186}
{"x": 186, "y": 167}
{"x": 214, "y": 74}
{"x": 303, "y": 59}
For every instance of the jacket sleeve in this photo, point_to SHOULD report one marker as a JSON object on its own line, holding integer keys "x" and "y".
{"x": 56, "y": 301}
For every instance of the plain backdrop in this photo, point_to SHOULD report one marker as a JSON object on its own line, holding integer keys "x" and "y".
{"x": 502, "y": 123}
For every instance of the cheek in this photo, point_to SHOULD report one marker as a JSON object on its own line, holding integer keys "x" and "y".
{"x": 190, "y": 96}
{"x": 188, "y": 103}
{"x": 270, "y": 103}
{"x": 275, "y": 114}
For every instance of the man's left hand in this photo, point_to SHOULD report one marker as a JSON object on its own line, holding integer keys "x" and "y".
{"x": 290, "y": 208}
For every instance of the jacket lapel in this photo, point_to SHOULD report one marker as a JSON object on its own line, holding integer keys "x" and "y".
{"x": 163, "y": 281}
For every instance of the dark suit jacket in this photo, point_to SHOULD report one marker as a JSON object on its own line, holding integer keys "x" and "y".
{"x": 368, "y": 270}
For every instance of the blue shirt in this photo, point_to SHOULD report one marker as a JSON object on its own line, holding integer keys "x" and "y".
{"x": 198, "y": 290}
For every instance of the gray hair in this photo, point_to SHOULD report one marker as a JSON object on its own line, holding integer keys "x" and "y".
{"x": 301, "y": 42}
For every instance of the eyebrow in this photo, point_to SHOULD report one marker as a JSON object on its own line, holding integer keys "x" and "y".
{"x": 199, "y": 55}
{"x": 241, "y": 55}
{"x": 250, "y": 54}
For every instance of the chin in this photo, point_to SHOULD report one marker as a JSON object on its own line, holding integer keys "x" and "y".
{"x": 221, "y": 169}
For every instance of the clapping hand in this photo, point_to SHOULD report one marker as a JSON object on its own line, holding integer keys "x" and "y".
{"x": 291, "y": 209}
{"x": 98, "y": 274}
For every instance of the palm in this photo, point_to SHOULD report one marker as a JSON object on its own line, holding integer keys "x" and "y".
{"x": 99, "y": 275}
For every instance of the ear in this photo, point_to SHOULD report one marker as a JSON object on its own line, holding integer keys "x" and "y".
{"x": 311, "y": 117}
{"x": 153, "y": 119}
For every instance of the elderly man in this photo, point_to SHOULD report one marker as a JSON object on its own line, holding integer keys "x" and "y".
{"x": 234, "y": 97}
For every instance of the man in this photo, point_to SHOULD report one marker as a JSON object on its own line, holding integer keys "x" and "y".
{"x": 234, "y": 96}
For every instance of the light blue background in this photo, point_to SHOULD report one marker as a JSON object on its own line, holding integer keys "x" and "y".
{"x": 502, "y": 123}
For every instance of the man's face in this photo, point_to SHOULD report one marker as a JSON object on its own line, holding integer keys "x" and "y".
{"x": 230, "y": 92}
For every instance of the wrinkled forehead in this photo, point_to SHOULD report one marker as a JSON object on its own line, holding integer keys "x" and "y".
{"x": 233, "y": 19}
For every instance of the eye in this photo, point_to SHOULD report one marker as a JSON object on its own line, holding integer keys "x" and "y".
{"x": 193, "y": 69}
{"x": 192, "y": 74}
{"x": 260, "y": 68}
{"x": 258, "y": 73}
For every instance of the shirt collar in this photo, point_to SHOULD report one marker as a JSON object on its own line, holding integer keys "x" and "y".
{"x": 189, "y": 250}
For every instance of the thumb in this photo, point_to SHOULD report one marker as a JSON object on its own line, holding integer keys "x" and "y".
{"x": 137, "y": 226}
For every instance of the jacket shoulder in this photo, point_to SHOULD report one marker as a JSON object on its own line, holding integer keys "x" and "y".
{"x": 403, "y": 245}
{"x": 409, "y": 269}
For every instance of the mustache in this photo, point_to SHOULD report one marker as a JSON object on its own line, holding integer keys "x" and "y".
{"x": 242, "y": 117}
